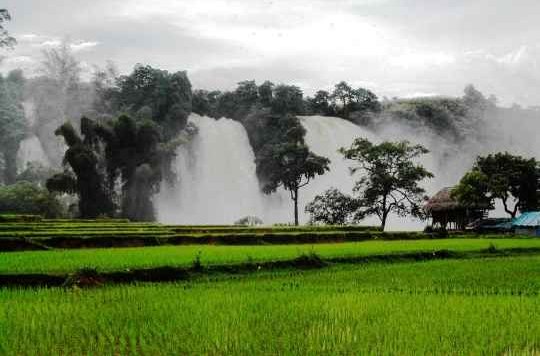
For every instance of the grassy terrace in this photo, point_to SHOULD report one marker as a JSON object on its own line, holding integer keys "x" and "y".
{"x": 112, "y": 259}
{"x": 484, "y": 306}
{"x": 74, "y": 234}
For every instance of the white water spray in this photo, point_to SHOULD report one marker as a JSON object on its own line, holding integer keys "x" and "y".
{"x": 217, "y": 183}
{"x": 30, "y": 149}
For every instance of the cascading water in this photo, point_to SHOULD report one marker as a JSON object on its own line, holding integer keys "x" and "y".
{"x": 217, "y": 183}
{"x": 325, "y": 135}
{"x": 31, "y": 149}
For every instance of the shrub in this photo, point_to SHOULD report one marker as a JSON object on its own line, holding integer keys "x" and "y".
{"x": 249, "y": 221}
{"x": 28, "y": 198}
{"x": 332, "y": 208}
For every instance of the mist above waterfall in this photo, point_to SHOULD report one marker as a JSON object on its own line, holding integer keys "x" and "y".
{"x": 217, "y": 182}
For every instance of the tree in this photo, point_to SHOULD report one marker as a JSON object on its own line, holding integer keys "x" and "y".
{"x": 266, "y": 93}
{"x": 332, "y": 208}
{"x": 287, "y": 100}
{"x": 247, "y": 92}
{"x": 343, "y": 93}
{"x": 364, "y": 100}
{"x": 133, "y": 156}
{"x": 57, "y": 95}
{"x": 12, "y": 123}
{"x": 292, "y": 166}
{"x": 390, "y": 180}
{"x": 167, "y": 95}
{"x": 6, "y": 41}
{"x": 472, "y": 190}
{"x": 505, "y": 177}
{"x": 200, "y": 102}
{"x": 320, "y": 103}
{"x": 82, "y": 174}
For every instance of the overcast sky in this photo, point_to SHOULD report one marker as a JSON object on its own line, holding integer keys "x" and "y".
{"x": 394, "y": 47}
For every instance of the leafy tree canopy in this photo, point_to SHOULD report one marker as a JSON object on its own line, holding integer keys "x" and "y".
{"x": 503, "y": 176}
{"x": 82, "y": 173}
{"x": 12, "y": 122}
{"x": 167, "y": 97}
{"x": 291, "y": 165}
{"x": 6, "y": 40}
{"x": 390, "y": 178}
{"x": 332, "y": 208}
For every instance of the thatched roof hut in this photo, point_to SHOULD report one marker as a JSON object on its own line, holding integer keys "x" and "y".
{"x": 442, "y": 201}
{"x": 445, "y": 210}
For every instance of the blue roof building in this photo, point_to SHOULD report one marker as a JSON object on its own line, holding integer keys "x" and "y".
{"x": 527, "y": 223}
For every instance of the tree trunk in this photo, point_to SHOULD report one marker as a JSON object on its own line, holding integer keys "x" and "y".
{"x": 383, "y": 221}
{"x": 385, "y": 212}
{"x": 10, "y": 168}
{"x": 295, "y": 198}
{"x": 507, "y": 210}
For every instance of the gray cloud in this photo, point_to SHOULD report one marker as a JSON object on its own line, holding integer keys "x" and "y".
{"x": 396, "y": 47}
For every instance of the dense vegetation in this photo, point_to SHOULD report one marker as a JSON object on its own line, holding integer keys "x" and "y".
{"x": 124, "y": 130}
{"x": 505, "y": 177}
{"x": 27, "y": 198}
{"x": 12, "y": 123}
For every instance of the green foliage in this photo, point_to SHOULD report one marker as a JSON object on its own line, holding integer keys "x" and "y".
{"x": 82, "y": 174}
{"x": 447, "y": 117}
{"x": 321, "y": 104}
{"x": 286, "y": 161}
{"x": 6, "y": 41}
{"x": 473, "y": 190}
{"x": 12, "y": 122}
{"x": 266, "y": 93}
{"x": 287, "y": 99}
{"x": 133, "y": 154}
{"x": 205, "y": 102}
{"x": 505, "y": 177}
{"x": 140, "y": 148}
{"x": 167, "y": 96}
{"x": 28, "y": 198}
{"x": 390, "y": 178}
{"x": 347, "y": 102}
{"x": 332, "y": 208}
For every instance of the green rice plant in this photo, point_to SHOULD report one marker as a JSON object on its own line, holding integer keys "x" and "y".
{"x": 112, "y": 259}
{"x": 486, "y": 306}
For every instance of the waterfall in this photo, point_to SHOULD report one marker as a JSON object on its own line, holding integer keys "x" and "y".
{"x": 216, "y": 179}
{"x": 30, "y": 150}
{"x": 217, "y": 182}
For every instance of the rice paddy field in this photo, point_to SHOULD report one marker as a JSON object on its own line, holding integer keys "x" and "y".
{"x": 111, "y": 259}
{"x": 481, "y": 297}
